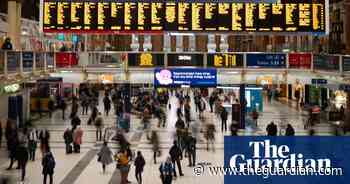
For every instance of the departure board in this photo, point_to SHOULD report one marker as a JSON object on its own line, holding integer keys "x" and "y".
{"x": 307, "y": 16}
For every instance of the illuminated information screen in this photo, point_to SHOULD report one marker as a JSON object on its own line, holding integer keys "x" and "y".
{"x": 182, "y": 16}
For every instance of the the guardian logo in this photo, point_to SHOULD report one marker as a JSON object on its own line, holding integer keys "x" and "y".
{"x": 265, "y": 155}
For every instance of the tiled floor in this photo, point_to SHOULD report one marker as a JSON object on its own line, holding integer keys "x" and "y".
{"x": 90, "y": 171}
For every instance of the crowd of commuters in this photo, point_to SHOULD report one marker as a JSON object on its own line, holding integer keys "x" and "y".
{"x": 192, "y": 120}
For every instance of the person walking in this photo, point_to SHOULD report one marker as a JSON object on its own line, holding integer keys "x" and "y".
{"x": 271, "y": 129}
{"x": 22, "y": 157}
{"x": 210, "y": 136}
{"x": 63, "y": 108}
{"x": 166, "y": 170}
{"x": 77, "y": 139}
{"x": 255, "y": 116}
{"x": 107, "y": 104}
{"x": 155, "y": 145}
{"x": 191, "y": 150}
{"x": 99, "y": 126}
{"x": 176, "y": 157}
{"x": 187, "y": 110}
{"x": 1, "y": 133}
{"x": 139, "y": 165}
{"x": 123, "y": 165}
{"x": 48, "y": 163}
{"x": 68, "y": 140}
{"x": 290, "y": 130}
{"x": 44, "y": 138}
{"x": 74, "y": 110}
{"x": 224, "y": 115}
{"x": 105, "y": 156}
{"x": 32, "y": 144}
{"x": 12, "y": 142}
{"x": 51, "y": 107}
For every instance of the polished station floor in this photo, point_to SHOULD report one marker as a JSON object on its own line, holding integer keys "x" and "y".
{"x": 83, "y": 168}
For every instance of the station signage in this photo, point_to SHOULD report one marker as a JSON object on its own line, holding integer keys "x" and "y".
{"x": 299, "y": 60}
{"x": 319, "y": 81}
{"x": 145, "y": 59}
{"x": 346, "y": 63}
{"x": 266, "y": 60}
{"x": 27, "y": 61}
{"x": 184, "y": 59}
{"x": 194, "y": 77}
{"x": 225, "y": 60}
{"x": 13, "y": 60}
{"x": 182, "y": 16}
{"x": 326, "y": 62}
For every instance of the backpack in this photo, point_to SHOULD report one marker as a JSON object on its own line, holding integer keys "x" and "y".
{"x": 50, "y": 162}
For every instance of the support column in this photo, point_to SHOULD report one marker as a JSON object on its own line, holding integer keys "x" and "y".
{"x": 223, "y": 43}
{"x": 135, "y": 45}
{"x": 14, "y": 22}
{"x": 147, "y": 43}
{"x": 179, "y": 43}
{"x": 192, "y": 43}
{"x": 211, "y": 43}
{"x": 166, "y": 43}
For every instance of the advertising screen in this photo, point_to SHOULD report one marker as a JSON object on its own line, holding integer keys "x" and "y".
{"x": 195, "y": 16}
{"x": 194, "y": 77}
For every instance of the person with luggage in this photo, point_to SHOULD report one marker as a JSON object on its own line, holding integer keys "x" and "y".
{"x": 48, "y": 163}
{"x": 139, "y": 165}
{"x": 68, "y": 140}
{"x": 176, "y": 157}
{"x": 105, "y": 156}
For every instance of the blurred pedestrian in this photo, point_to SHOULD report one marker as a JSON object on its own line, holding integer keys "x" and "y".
{"x": 32, "y": 144}
{"x": 48, "y": 162}
{"x": 105, "y": 156}
{"x": 224, "y": 115}
{"x": 176, "y": 156}
{"x": 51, "y": 106}
{"x": 77, "y": 139}
{"x": 271, "y": 129}
{"x": 210, "y": 136}
{"x": 44, "y": 138}
{"x": 107, "y": 104}
{"x": 155, "y": 145}
{"x": 63, "y": 108}
{"x": 68, "y": 140}
{"x": 139, "y": 165}
{"x": 290, "y": 130}
{"x": 166, "y": 170}
{"x": 99, "y": 126}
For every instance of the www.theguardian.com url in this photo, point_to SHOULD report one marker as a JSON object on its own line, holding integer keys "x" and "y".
{"x": 265, "y": 172}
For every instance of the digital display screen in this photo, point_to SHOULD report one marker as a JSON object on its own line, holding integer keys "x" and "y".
{"x": 266, "y": 60}
{"x": 145, "y": 59}
{"x": 182, "y": 16}
{"x": 225, "y": 60}
{"x": 185, "y": 59}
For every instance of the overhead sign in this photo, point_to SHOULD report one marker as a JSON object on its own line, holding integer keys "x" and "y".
{"x": 27, "y": 61}
{"x": 184, "y": 59}
{"x": 196, "y": 16}
{"x": 145, "y": 59}
{"x": 12, "y": 88}
{"x": 326, "y": 62}
{"x": 225, "y": 60}
{"x": 299, "y": 60}
{"x": 319, "y": 81}
{"x": 346, "y": 63}
{"x": 266, "y": 60}
{"x": 185, "y": 76}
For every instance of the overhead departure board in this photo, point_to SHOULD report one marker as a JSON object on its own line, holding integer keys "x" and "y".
{"x": 184, "y": 16}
